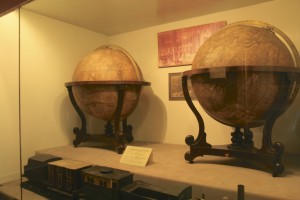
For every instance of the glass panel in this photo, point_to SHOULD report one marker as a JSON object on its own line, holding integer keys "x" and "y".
{"x": 9, "y": 108}
{"x": 51, "y": 49}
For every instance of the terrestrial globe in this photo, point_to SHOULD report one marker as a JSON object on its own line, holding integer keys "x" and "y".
{"x": 97, "y": 80}
{"x": 245, "y": 73}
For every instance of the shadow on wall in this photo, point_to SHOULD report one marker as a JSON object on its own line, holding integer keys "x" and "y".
{"x": 287, "y": 128}
{"x": 68, "y": 119}
{"x": 149, "y": 118}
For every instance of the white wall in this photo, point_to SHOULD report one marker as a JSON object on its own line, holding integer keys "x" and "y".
{"x": 50, "y": 50}
{"x": 9, "y": 97}
{"x": 158, "y": 119}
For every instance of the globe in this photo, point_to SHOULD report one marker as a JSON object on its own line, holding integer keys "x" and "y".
{"x": 98, "y": 78}
{"x": 245, "y": 73}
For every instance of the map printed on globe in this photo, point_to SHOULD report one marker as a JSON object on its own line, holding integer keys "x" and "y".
{"x": 107, "y": 64}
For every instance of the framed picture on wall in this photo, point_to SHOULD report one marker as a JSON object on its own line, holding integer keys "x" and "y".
{"x": 175, "y": 88}
{"x": 178, "y": 47}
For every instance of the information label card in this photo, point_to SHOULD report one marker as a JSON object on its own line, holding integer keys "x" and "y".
{"x": 138, "y": 156}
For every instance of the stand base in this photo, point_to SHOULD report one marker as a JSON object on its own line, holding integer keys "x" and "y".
{"x": 101, "y": 138}
{"x": 271, "y": 160}
{"x": 116, "y": 140}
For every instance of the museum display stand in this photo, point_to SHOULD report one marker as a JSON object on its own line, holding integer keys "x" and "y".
{"x": 244, "y": 76}
{"x": 106, "y": 84}
{"x": 113, "y": 134}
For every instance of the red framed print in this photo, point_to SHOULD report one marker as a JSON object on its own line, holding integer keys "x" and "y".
{"x": 178, "y": 47}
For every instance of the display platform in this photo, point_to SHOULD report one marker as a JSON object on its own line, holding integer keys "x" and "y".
{"x": 210, "y": 175}
{"x": 213, "y": 176}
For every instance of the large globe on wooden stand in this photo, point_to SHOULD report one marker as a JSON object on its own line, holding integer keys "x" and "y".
{"x": 245, "y": 73}
{"x": 107, "y": 64}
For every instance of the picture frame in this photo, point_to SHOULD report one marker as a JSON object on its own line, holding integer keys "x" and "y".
{"x": 179, "y": 47}
{"x": 175, "y": 87}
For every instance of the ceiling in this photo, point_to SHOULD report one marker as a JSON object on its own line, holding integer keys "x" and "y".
{"x": 112, "y": 17}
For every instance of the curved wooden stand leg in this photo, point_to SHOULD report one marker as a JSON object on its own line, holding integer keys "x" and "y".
{"x": 120, "y": 143}
{"x": 195, "y": 145}
{"x": 277, "y": 166}
{"x": 80, "y": 133}
{"x": 273, "y": 151}
{"x": 127, "y": 129}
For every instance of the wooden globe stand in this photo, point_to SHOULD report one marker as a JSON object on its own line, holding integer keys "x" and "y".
{"x": 113, "y": 135}
{"x": 242, "y": 145}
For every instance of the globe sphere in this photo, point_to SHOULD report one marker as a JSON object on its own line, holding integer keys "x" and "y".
{"x": 100, "y": 74}
{"x": 244, "y": 74}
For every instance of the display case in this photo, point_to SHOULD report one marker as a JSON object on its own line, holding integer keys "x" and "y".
{"x": 41, "y": 52}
